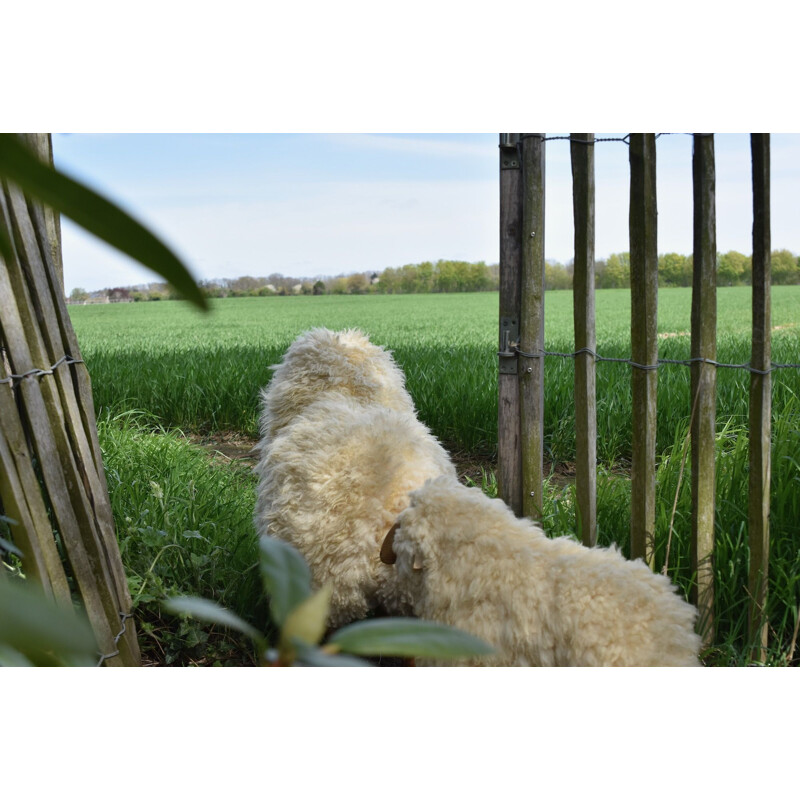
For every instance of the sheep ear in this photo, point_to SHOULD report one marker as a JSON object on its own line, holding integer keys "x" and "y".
{"x": 388, "y": 555}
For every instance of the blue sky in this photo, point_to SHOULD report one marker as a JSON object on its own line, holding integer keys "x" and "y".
{"x": 327, "y": 204}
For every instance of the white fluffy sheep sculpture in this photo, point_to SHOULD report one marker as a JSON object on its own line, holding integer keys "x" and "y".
{"x": 322, "y": 363}
{"x": 465, "y": 560}
{"x": 341, "y": 450}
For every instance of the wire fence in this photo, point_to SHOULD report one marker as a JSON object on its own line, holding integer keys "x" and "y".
{"x": 648, "y": 367}
{"x": 521, "y": 400}
{"x": 106, "y": 656}
{"x": 624, "y": 139}
{"x": 38, "y": 373}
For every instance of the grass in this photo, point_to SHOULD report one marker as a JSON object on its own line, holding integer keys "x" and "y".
{"x": 184, "y": 524}
{"x": 184, "y": 521}
{"x": 204, "y": 372}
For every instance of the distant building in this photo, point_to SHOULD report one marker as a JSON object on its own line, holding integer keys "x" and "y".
{"x": 119, "y": 295}
{"x": 97, "y": 297}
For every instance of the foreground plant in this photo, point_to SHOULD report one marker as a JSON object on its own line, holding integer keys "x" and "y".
{"x": 300, "y": 615}
{"x": 94, "y": 213}
{"x": 34, "y": 632}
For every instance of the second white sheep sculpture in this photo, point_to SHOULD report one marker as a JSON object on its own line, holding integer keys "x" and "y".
{"x": 465, "y": 560}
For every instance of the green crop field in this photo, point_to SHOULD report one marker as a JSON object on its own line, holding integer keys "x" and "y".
{"x": 203, "y": 372}
{"x": 166, "y": 364}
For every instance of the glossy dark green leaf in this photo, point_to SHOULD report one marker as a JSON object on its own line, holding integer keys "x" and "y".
{"x": 409, "y": 638}
{"x": 286, "y": 576}
{"x": 94, "y": 213}
{"x": 208, "y": 611}
{"x": 308, "y": 621}
{"x": 308, "y": 656}
{"x": 33, "y": 628}
{"x": 9, "y": 548}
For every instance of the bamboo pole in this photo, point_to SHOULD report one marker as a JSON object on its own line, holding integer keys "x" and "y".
{"x": 582, "y": 156}
{"x": 704, "y": 380}
{"x": 760, "y": 399}
{"x": 532, "y": 325}
{"x": 509, "y": 464}
{"x": 644, "y": 342}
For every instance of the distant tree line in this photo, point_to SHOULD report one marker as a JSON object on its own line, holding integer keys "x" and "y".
{"x": 439, "y": 276}
{"x": 674, "y": 269}
{"x": 614, "y": 272}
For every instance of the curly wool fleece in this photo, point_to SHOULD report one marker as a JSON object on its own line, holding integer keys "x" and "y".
{"x": 323, "y": 362}
{"x": 341, "y": 450}
{"x": 465, "y": 560}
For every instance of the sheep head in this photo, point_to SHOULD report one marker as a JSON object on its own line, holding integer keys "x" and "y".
{"x": 388, "y": 556}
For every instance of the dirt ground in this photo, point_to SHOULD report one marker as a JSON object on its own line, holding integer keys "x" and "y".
{"x": 236, "y": 448}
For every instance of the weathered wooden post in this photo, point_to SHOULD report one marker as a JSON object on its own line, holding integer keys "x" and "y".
{"x": 42, "y": 145}
{"x": 760, "y": 399}
{"x": 509, "y": 465}
{"x": 644, "y": 342}
{"x": 704, "y": 380}
{"x": 531, "y": 327}
{"x": 582, "y": 155}
{"x": 51, "y": 469}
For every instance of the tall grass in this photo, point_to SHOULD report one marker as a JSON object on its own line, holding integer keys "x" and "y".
{"x": 731, "y": 550}
{"x": 184, "y": 525}
{"x": 204, "y": 373}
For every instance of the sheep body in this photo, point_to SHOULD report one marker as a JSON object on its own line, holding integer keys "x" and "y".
{"x": 341, "y": 450}
{"x": 322, "y": 362}
{"x": 538, "y": 601}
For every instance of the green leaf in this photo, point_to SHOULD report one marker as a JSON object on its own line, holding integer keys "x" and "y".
{"x": 95, "y": 213}
{"x": 308, "y": 656}
{"x": 287, "y": 578}
{"x": 407, "y": 637}
{"x": 308, "y": 621}
{"x": 41, "y": 632}
{"x": 9, "y": 548}
{"x": 9, "y": 657}
{"x": 209, "y": 611}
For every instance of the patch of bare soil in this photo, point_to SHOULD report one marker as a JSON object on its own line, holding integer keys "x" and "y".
{"x": 471, "y": 467}
{"x": 227, "y": 445}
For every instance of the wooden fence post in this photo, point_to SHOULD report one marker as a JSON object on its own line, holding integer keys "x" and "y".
{"x": 704, "y": 380}
{"x": 644, "y": 342}
{"x": 509, "y": 464}
{"x": 532, "y": 325}
{"x": 582, "y": 156}
{"x": 760, "y": 400}
{"x": 42, "y": 145}
{"x": 47, "y": 425}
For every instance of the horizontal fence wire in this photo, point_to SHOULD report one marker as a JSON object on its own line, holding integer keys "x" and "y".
{"x": 106, "y": 656}
{"x": 624, "y": 139}
{"x": 647, "y": 367}
{"x": 38, "y": 373}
